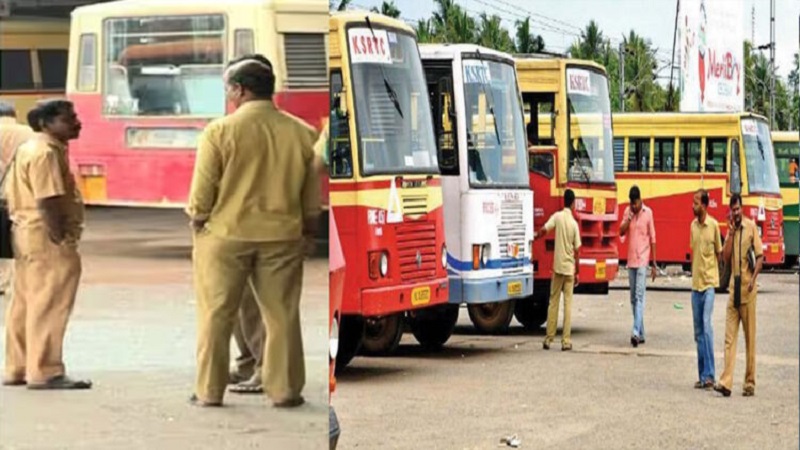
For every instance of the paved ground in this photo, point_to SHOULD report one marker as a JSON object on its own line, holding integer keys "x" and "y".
{"x": 133, "y": 333}
{"x": 604, "y": 394}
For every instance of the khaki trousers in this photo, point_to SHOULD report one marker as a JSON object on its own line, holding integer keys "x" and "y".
{"x": 746, "y": 314}
{"x": 249, "y": 334}
{"x": 558, "y": 285}
{"x": 6, "y": 274}
{"x": 222, "y": 268}
{"x": 45, "y": 285}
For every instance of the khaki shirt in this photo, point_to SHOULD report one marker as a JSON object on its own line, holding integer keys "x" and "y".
{"x": 41, "y": 170}
{"x": 749, "y": 235}
{"x": 254, "y": 178}
{"x": 568, "y": 241}
{"x": 12, "y": 135}
{"x": 706, "y": 243}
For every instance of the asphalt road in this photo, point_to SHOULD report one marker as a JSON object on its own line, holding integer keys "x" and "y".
{"x": 603, "y": 395}
{"x": 133, "y": 334}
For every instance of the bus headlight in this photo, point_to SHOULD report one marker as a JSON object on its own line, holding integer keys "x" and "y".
{"x": 444, "y": 256}
{"x": 485, "y": 255}
{"x": 334, "y": 339}
{"x": 384, "y": 264}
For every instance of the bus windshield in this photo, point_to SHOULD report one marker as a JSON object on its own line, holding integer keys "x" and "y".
{"x": 164, "y": 66}
{"x": 393, "y": 114}
{"x": 591, "y": 157}
{"x": 496, "y": 151}
{"x": 762, "y": 176}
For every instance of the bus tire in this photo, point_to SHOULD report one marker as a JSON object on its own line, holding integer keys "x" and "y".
{"x": 531, "y": 312}
{"x": 790, "y": 262}
{"x": 351, "y": 332}
{"x": 432, "y": 327}
{"x": 491, "y": 318}
{"x": 382, "y": 335}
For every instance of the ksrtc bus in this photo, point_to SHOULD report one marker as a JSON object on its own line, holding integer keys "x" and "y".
{"x": 787, "y": 148}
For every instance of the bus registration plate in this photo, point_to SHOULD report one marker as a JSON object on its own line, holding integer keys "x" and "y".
{"x": 599, "y": 206}
{"x": 600, "y": 270}
{"x": 515, "y": 288}
{"x": 420, "y": 296}
{"x": 774, "y": 248}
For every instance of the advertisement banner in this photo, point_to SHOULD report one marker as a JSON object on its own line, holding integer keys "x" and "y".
{"x": 711, "y": 46}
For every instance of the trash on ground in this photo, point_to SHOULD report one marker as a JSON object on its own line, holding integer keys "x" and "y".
{"x": 677, "y": 306}
{"x": 511, "y": 441}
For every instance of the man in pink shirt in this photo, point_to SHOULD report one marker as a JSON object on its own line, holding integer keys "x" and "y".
{"x": 637, "y": 226}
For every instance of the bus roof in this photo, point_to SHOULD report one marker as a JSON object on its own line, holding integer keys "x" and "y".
{"x": 785, "y": 136}
{"x": 680, "y": 117}
{"x": 340, "y": 18}
{"x": 525, "y": 61}
{"x": 147, "y": 7}
{"x": 447, "y": 51}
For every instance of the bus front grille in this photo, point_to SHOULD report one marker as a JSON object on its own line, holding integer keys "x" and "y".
{"x": 414, "y": 205}
{"x": 511, "y": 232}
{"x": 415, "y": 239}
{"x": 306, "y": 60}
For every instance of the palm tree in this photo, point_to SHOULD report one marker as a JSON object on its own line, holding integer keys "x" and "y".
{"x": 424, "y": 31}
{"x": 590, "y": 45}
{"x": 527, "y": 42}
{"x": 640, "y": 69}
{"x": 343, "y": 4}
{"x": 491, "y": 33}
{"x": 388, "y": 9}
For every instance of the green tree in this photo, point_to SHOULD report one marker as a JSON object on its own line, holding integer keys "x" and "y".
{"x": 342, "y": 6}
{"x": 491, "y": 34}
{"x": 424, "y": 30}
{"x": 527, "y": 42}
{"x": 591, "y": 45}
{"x": 642, "y": 91}
{"x": 388, "y": 9}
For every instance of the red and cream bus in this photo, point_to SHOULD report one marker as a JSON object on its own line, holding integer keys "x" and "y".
{"x": 146, "y": 77}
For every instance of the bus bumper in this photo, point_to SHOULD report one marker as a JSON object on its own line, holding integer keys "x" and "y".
{"x": 489, "y": 290}
{"x": 394, "y": 299}
{"x": 592, "y": 271}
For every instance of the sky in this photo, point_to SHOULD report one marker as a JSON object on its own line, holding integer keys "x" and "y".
{"x": 560, "y": 21}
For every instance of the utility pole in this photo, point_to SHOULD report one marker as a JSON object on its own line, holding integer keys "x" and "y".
{"x": 772, "y": 63}
{"x": 622, "y": 76}
{"x": 670, "y": 94}
{"x": 753, "y": 25}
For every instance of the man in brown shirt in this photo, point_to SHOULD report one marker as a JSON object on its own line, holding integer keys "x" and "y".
{"x": 48, "y": 215}
{"x": 565, "y": 269}
{"x": 254, "y": 201}
{"x": 743, "y": 236}
{"x": 12, "y": 135}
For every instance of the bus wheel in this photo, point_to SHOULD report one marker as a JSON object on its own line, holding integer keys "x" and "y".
{"x": 790, "y": 262}
{"x": 491, "y": 318}
{"x": 724, "y": 278}
{"x": 351, "y": 332}
{"x": 382, "y": 335}
{"x": 531, "y": 312}
{"x": 432, "y": 327}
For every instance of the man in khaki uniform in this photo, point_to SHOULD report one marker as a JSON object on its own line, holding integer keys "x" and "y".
{"x": 254, "y": 199}
{"x": 565, "y": 269}
{"x": 12, "y": 135}
{"x": 743, "y": 236}
{"x": 47, "y": 212}
{"x": 249, "y": 335}
{"x": 706, "y": 246}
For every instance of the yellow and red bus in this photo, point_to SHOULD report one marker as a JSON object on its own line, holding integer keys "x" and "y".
{"x": 146, "y": 77}
{"x": 33, "y": 61}
{"x": 672, "y": 155}
{"x": 787, "y": 147}
{"x": 570, "y": 149}
{"x": 385, "y": 188}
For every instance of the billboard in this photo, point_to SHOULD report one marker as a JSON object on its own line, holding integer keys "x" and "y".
{"x": 711, "y": 45}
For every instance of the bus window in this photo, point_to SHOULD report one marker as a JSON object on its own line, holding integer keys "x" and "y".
{"x": 53, "y": 67}
{"x": 173, "y": 65}
{"x": 638, "y": 154}
{"x": 16, "y": 71}
{"x": 87, "y": 71}
{"x": 736, "y": 173}
{"x": 542, "y": 163}
{"x": 440, "y": 87}
{"x": 341, "y": 160}
{"x": 619, "y": 155}
{"x": 664, "y": 149}
{"x": 539, "y": 109}
{"x": 785, "y": 153}
{"x": 716, "y": 150}
{"x": 690, "y": 155}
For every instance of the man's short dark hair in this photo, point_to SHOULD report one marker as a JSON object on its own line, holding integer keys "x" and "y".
{"x": 569, "y": 198}
{"x": 254, "y": 73}
{"x": 703, "y": 197}
{"x": 634, "y": 194}
{"x": 736, "y": 199}
{"x": 7, "y": 109}
{"x": 46, "y": 111}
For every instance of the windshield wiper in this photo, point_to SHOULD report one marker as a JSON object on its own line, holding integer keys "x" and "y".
{"x": 490, "y": 97}
{"x": 389, "y": 91}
